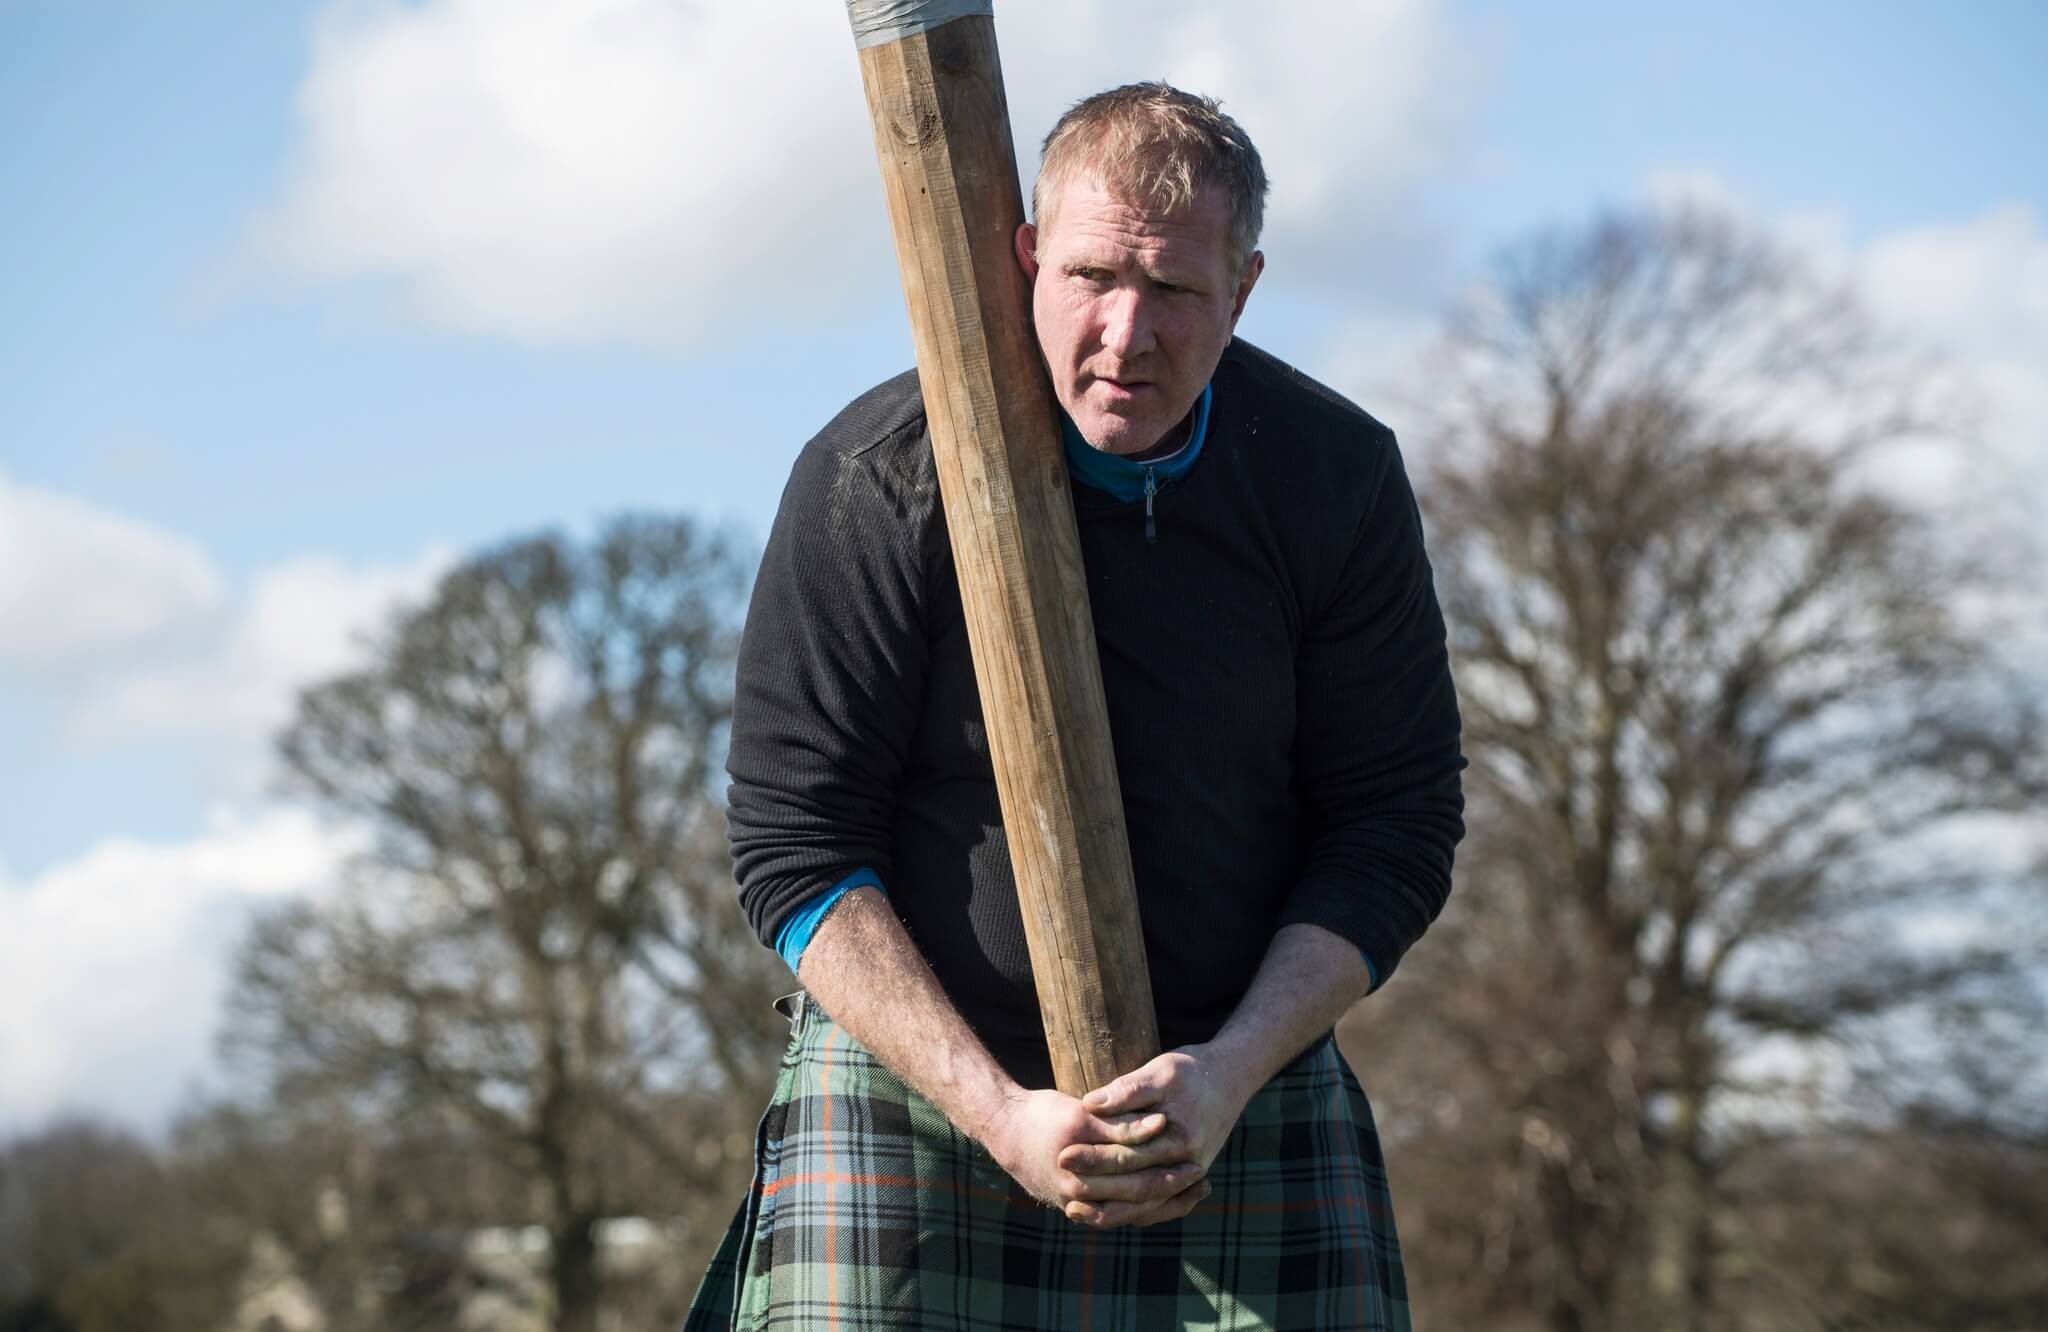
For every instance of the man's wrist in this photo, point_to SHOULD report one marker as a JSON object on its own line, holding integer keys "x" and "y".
{"x": 992, "y": 1122}
{"x": 1237, "y": 1065}
{"x": 989, "y": 1106}
{"x": 1309, "y": 978}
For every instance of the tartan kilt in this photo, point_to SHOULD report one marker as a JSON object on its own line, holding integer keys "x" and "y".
{"x": 869, "y": 1210}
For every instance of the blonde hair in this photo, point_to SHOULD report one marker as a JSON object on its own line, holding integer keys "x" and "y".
{"x": 1154, "y": 144}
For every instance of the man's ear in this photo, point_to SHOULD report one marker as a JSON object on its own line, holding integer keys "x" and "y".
{"x": 1027, "y": 251}
{"x": 1245, "y": 285}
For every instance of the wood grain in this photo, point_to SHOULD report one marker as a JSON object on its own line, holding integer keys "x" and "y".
{"x": 942, "y": 134}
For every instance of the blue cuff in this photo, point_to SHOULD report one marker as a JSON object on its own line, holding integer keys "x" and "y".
{"x": 796, "y": 932}
{"x": 1372, "y": 978}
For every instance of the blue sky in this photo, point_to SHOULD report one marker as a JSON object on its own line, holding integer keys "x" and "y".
{"x": 300, "y": 300}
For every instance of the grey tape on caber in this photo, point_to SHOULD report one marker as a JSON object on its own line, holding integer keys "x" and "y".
{"x": 878, "y": 22}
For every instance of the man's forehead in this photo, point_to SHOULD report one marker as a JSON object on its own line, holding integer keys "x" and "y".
{"x": 1085, "y": 209}
{"x": 1207, "y": 203}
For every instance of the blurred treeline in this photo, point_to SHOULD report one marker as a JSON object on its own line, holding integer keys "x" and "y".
{"x": 1734, "y": 1021}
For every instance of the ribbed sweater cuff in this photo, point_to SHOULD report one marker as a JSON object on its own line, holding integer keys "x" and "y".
{"x": 1377, "y": 930}
{"x": 796, "y": 932}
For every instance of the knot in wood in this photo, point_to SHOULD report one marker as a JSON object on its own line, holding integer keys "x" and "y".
{"x": 913, "y": 121}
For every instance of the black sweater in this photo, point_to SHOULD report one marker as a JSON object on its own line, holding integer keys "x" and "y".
{"x": 1280, "y": 703}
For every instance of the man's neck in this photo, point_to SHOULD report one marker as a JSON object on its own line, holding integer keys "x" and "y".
{"x": 1171, "y": 442}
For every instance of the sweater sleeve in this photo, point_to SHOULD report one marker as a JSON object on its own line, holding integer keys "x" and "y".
{"x": 799, "y": 925}
{"x": 1377, "y": 760}
{"x": 831, "y": 670}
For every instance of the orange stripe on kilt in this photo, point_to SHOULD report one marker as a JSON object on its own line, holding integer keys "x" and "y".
{"x": 834, "y": 1177}
{"x": 831, "y": 1227}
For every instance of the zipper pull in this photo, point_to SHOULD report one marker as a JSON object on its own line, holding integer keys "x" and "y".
{"x": 1151, "y": 489}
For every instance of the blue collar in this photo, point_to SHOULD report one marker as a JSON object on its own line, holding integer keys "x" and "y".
{"x": 1122, "y": 478}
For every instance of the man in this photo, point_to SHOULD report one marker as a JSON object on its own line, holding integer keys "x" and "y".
{"x": 1286, "y": 736}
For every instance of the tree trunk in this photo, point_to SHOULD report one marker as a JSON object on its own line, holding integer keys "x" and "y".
{"x": 573, "y": 1272}
{"x": 1676, "y": 1275}
{"x": 572, "y": 1239}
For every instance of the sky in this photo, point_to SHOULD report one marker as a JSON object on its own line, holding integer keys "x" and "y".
{"x": 301, "y": 301}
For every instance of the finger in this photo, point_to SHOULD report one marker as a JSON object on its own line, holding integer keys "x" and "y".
{"x": 1110, "y": 1215}
{"x": 1142, "y": 1186}
{"x": 1132, "y": 1091}
{"x": 1128, "y": 1129}
{"x": 1132, "y": 1128}
{"x": 1176, "y": 1207}
{"x": 1114, "y": 1159}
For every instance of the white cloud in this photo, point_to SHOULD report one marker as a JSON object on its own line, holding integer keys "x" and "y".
{"x": 125, "y": 632}
{"x": 1781, "y": 1082}
{"x": 77, "y": 582}
{"x": 298, "y": 622}
{"x": 1978, "y": 289}
{"x": 1818, "y": 234}
{"x": 1977, "y": 283}
{"x": 652, "y": 169}
{"x": 113, "y": 965}
{"x": 1974, "y": 291}
{"x": 1373, "y": 357}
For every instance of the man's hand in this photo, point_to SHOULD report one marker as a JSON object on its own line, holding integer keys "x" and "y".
{"x": 1135, "y": 1152}
{"x": 1309, "y": 977}
{"x": 864, "y": 970}
{"x": 1033, "y": 1130}
{"x": 1122, "y": 1183}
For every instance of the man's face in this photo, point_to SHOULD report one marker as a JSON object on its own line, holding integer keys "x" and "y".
{"x": 1133, "y": 308}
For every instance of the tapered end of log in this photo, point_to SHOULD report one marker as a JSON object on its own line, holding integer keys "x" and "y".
{"x": 942, "y": 134}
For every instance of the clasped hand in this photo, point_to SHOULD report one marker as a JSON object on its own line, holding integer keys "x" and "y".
{"x": 1134, "y": 1153}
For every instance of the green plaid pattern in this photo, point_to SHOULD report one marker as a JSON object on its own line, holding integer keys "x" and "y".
{"x": 870, "y": 1211}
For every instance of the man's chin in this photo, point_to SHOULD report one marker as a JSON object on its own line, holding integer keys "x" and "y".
{"x": 1107, "y": 432}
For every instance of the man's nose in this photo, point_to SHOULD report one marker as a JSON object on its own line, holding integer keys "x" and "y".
{"x": 1127, "y": 323}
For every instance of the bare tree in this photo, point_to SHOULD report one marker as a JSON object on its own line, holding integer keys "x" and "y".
{"x": 97, "y": 1236}
{"x": 543, "y": 945}
{"x": 1725, "y": 720}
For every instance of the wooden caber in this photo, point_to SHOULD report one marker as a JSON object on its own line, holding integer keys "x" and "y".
{"x": 942, "y": 133}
